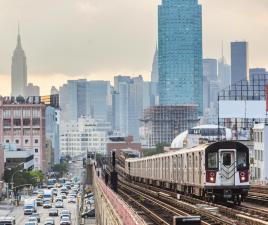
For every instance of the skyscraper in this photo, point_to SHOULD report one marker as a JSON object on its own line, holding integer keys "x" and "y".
{"x": 239, "y": 61}
{"x": 18, "y": 70}
{"x": 180, "y": 52}
{"x": 128, "y": 99}
{"x": 210, "y": 69}
{"x": 155, "y": 80}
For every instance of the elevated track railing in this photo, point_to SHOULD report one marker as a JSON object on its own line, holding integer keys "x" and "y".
{"x": 110, "y": 207}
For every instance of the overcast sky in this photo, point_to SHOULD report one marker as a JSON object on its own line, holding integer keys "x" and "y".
{"x": 97, "y": 39}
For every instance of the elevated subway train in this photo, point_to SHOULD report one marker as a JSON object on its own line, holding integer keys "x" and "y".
{"x": 214, "y": 171}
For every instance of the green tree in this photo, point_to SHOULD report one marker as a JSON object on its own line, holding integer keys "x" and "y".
{"x": 159, "y": 148}
{"x": 61, "y": 168}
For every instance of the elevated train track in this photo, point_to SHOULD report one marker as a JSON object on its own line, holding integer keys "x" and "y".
{"x": 244, "y": 214}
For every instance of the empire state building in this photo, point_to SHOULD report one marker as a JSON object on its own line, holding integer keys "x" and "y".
{"x": 18, "y": 70}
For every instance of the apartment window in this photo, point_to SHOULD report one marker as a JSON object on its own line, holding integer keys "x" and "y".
{"x": 7, "y": 113}
{"x": 17, "y": 122}
{"x": 35, "y": 132}
{"x": 36, "y": 122}
{"x": 7, "y": 132}
{"x": 26, "y": 113}
{"x": 7, "y": 122}
{"x": 17, "y": 113}
{"x": 26, "y": 132}
{"x": 36, "y": 150}
{"x": 36, "y": 113}
{"x": 36, "y": 141}
{"x": 26, "y": 122}
{"x": 7, "y": 141}
{"x": 26, "y": 141}
{"x": 17, "y": 141}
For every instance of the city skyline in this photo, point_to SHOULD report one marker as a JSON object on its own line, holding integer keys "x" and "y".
{"x": 90, "y": 58}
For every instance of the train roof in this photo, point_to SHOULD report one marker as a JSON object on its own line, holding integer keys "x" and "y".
{"x": 224, "y": 144}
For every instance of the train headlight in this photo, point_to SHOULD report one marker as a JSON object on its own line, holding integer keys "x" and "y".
{"x": 211, "y": 176}
{"x": 243, "y": 175}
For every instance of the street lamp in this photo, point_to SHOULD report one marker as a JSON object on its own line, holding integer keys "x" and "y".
{"x": 12, "y": 182}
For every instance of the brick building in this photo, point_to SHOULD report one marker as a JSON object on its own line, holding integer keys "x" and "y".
{"x": 23, "y": 123}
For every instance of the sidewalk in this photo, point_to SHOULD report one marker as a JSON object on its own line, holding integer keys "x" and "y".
{"x": 6, "y": 207}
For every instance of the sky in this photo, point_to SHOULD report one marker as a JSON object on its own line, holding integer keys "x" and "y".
{"x": 98, "y": 39}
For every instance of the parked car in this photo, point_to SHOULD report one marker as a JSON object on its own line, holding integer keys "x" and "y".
{"x": 47, "y": 205}
{"x": 59, "y": 204}
{"x": 89, "y": 214}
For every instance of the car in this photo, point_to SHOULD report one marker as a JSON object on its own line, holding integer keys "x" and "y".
{"x": 65, "y": 221}
{"x": 89, "y": 214}
{"x": 35, "y": 192}
{"x": 53, "y": 212}
{"x": 65, "y": 213}
{"x": 89, "y": 195}
{"x": 90, "y": 202}
{"x": 33, "y": 219}
{"x": 64, "y": 190}
{"x": 63, "y": 195}
{"x": 55, "y": 191}
{"x": 71, "y": 200}
{"x": 49, "y": 221}
{"x": 37, "y": 216}
{"x": 40, "y": 194}
{"x": 31, "y": 223}
{"x": 39, "y": 202}
{"x": 59, "y": 204}
{"x": 47, "y": 205}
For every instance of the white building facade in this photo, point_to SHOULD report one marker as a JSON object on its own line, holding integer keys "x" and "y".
{"x": 85, "y": 136}
{"x": 260, "y": 152}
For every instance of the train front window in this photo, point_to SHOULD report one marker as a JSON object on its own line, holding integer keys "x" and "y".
{"x": 212, "y": 160}
{"x": 227, "y": 159}
{"x": 241, "y": 160}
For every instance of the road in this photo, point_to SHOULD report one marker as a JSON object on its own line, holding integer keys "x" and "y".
{"x": 18, "y": 213}
{"x": 75, "y": 169}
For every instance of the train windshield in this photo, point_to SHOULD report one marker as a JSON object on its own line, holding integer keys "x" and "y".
{"x": 242, "y": 160}
{"x": 212, "y": 162}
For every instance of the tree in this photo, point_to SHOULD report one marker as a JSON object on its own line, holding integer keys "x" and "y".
{"x": 61, "y": 168}
{"x": 159, "y": 148}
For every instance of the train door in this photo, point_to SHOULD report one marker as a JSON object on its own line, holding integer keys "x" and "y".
{"x": 227, "y": 167}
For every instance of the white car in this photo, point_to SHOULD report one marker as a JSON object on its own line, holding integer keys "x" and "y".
{"x": 59, "y": 204}
{"x": 31, "y": 223}
{"x": 33, "y": 219}
{"x": 71, "y": 200}
{"x": 65, "y": 221}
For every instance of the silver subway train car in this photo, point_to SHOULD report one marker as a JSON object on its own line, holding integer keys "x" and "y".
{"x": 214, "y": 171}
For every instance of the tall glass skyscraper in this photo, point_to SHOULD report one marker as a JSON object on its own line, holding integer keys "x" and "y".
{"x": 180, "y": 52}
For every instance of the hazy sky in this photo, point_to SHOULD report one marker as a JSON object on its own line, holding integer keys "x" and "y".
{"x": 97, "y": 39}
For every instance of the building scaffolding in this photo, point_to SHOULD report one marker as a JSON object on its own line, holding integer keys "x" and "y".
{"x": 163, "y": 123}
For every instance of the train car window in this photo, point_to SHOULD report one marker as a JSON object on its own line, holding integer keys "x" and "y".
{"x": 212, "y": 160}
{"x": 226, "y": 159}
{"x": 241, "y": 160}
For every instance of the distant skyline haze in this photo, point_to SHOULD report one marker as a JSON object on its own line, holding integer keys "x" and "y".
{"x": 99, "y": 39}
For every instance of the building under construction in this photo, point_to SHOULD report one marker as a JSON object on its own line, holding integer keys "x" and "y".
{"x": 163, "y": 123}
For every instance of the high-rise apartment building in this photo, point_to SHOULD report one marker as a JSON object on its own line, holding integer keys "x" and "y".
{"x": 224, "y": 73}
{"x": 85, "y": 98}
{"x": 100, "y": 99}
{"x": 128, "y": 105}
{"x": 18, "y": 70}
{"x": 180, "y": 53}
{"x": 23, "y": 124}
{"x": 210, "y": 69}
{"x": 239, "y": 62}
{"x": 52, "y": 132}
{"x": 155, "y": 80}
